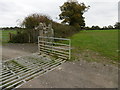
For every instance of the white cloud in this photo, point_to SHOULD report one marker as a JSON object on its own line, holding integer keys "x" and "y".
{"x": 119, "y": 11}
{"x": 100, "y": 13}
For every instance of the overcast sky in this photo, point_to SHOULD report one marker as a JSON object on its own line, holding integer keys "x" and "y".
{"x": 101, "y": 12}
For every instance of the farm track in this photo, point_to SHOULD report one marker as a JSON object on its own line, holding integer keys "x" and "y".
{"x": 15, "y": 50}
{"x": 77, "y": 74}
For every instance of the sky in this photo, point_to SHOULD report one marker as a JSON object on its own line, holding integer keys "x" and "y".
{"x": 13, "y": 12}
{"x": 119, "y": 11}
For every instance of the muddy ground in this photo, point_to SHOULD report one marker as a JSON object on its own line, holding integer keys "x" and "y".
{"x": 77, "y": 74}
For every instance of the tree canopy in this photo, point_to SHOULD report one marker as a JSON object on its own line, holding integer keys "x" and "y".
{"x": 33, "y": 20}
{"x": 72, "y": 13}
{"x": 117, "y": 25}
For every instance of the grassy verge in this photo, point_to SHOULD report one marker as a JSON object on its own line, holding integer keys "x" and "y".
{"x": 105, "y": 42}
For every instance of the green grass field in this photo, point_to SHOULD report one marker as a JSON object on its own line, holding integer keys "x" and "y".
{"x": 5, "y": 35}
{"x": 104, "y": 42}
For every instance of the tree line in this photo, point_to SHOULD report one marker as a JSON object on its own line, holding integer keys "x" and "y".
{"x": 110, "y": 27}
{"x": 11, "y": 28}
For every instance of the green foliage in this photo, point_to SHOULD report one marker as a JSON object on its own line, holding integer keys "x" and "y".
{"x": 110, "y": 27}
{"x": 20, "y": 37}
{"x": 72, "y": 13}
{"x": 117, "y": 25}
{"x": 95, "y": 28}
{"x": 29, "y": 34}
{"x": 103, "y": 41}
{"x": 33, "y": 20}
{"x": 63, "y": 30}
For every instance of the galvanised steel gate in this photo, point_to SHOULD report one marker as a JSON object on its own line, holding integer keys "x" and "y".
{"x": 56, "y": 47}
{"x": 52, "y": 53}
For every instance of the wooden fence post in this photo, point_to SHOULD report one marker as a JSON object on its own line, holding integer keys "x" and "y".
{"x": 10, "y": 36}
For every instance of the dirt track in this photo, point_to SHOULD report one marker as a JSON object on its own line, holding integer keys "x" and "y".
{"x": 78, "y": 74}
{"x": 15, "y": 50}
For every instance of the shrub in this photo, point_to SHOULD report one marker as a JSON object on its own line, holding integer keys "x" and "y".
{"x": 33, "y": 20}
{"x": 63, "y": 30}
{"x": 20, "y": 37}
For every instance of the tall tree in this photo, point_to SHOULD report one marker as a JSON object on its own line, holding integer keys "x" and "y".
{"x": 33, "y": 20}
{"x": 110, "y": 27}
{"x": 117, "y": 25}
{"x": 95, "y": 28}
{"x": 72, "y": 13}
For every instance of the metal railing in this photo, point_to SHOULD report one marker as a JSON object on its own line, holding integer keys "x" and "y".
{"x": 58, "y": 47}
